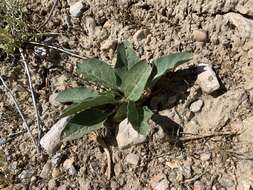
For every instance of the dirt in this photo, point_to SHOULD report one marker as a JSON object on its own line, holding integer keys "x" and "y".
{"x": 155, "y": 29}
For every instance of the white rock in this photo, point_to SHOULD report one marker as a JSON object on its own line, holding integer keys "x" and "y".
{"x": 250, "y": 53}
{"x": 159, "y": 182}
{"x": 90, "y": 25}
{"x": 244, "y": 25}
{"x": 51, "y": 140}
{"x": 139, "y": 35}
{"x": 207, "y": 79}
{"x": 52, "y": 100}
{"x": 76, "y": 9}
{"x": 127, "y": 136}
{"x": 200, "y": 35}
{"x": 196, "y": 106}
{"x": 109, "y": 44}
{"x": 132, "y": 159}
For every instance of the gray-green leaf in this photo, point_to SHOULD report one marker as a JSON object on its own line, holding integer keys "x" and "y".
{"x": 133, "y": 115}
{"x": 98, "y": 72}
{"x": 126, "y": 58}
{"x": 138, "y": 117}
{"x": 89, "y": 103}
{"x": 121, "y": 113}
{"x": 134, "y": 82}
{"x": 83, "y": 123}
{"x": 168, "y": 63}
{"x": 75, "y": 95}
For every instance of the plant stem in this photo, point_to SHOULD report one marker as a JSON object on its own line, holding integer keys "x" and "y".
{"x": 32, "y": 93}
{"x": 8, "y": 91}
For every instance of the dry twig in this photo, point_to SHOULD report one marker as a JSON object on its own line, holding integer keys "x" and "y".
{"x": 58, "y": 49}
{"x": 32, "y": 92}
{"x": 8, "y": 91}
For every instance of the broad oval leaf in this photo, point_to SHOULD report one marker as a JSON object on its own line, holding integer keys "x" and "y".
{"x": 169, "y": 62}
{"x": 89, "y": 103}
{"x": 134, "y": 82}
{"x": 133, "y": 114}
{"x": 99, "y": 72}
{"x": 83, "y": 123}
{"x": 138, "y": 117}
{"x": 75, "y": 95}
{"x": 126, "y": 58}
{"x": 121, "y": 113}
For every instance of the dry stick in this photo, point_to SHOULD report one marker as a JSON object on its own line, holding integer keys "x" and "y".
{"x": 58, "y": 49}
{"x": 32, "y": 93}
{"x": 50, "y": 14}
{"x": 8, "y": 91}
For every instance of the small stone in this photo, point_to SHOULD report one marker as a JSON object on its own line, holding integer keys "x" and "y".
{"x": 90, "y": 25}
{"x": 45, "y": 172}
{"x": 52, "y": 100}
{"x": 159, "y": 182}
{"x": 56, "y": 172}
{"x": 200, "y": 35}
{"x": 118, "y": 169}
{"x": 52, "y": 139}
{"x": 33, "y": 179}
{"x": 132, "y": 159}
{"x": 62, "y": 187}
{"x": 227, "y": 181}
{"x": 128, "y": 136}
{"x": 205, "y": 157}
{"x": 68, "y": 163}
{"x": 207, "y": 79}
{"x": 109, "y": 44}
{"x": 196, "y": 106}
{"x": 139, "y": 35}
{"x": 72, "y": 170}
{"x": 250, "y": 53}
{"x": 187, "y": 171}
{"x": 51, "y": 184}
{"x": 40, "y": 52}
{"x": 56, "y": 159}
{"x": 25, "y": 174}
{"x": 76, "y": 9}
{"x": 198, "y": 185}
{"x": 114, "y": 185}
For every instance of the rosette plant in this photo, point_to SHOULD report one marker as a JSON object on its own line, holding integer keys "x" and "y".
{"x": 126, "y": 88}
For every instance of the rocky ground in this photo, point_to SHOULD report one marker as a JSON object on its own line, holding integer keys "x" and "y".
{"x": 199, "y": 107}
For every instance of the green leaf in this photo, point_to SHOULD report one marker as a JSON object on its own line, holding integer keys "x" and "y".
{"x": 138, "y": 117}
{"x": 121, "y": 113}
{"x": 134, "y": 82}
{"x": 98, "y": 72}
{"x": 89, "y": 103}
{"x": 133, "y": 114}
{"x": 83, "y": 123}
{"x": 126, "y": 58}
{"x": 75, "y": 95}
{"x": 169, "y": 62}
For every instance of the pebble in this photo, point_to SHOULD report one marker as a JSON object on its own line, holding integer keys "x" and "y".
{"x": 40, "y": 52}
{"x": 45, "y": 172}
{"x": 72, "y": 170}
{"x": 198, "y": 185}
{"x": 207, "y": 79}
{"x": 159, "y": 182}
{"x": 118, "y": 169}
{"x": 52, "y": 139}
{"x": 109, "y": 44}
{"x": 132, "y": 159}
{"x": 25, "y": 174}
{"x": 114, "y": 185}
{"x": 139, "y": 35}
{"x": 90, "y": 25}
{"x": 76, "y": 9}
{"x": 56, "y": 172}
{"x": 250, "y": 53}
{"x": 68, "y": 163}
{"x": 128, "y": 136}
{"x": 205, "y": 156}
{"x": 196, "y": 106}
{"x": 56, "y": 159}
{"x": 51, "y": 184}
{"x": 226, "y": 181}
{"x": 52, "y": 100}
{"x": 200, "y": 35}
